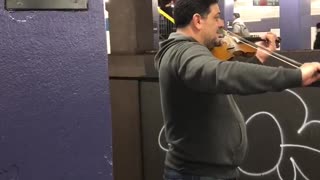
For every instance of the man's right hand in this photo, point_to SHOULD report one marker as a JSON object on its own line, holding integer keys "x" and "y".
{"x": 310, "y": 73}
{"x": 269, "y": 44}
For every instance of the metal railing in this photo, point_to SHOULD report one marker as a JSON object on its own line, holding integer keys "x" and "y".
{"x": 166, "y": 25}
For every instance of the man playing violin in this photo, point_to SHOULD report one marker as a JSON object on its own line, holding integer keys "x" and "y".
{"x": 204, "y": 128}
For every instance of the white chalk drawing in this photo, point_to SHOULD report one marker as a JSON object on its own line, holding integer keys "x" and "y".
{"x": 306, "y": 123}
{"x": 159, "y": 140}
{"x": 19, "y": 17}
{"x": 281, "y": 152}
{"x": 25, "y": 19}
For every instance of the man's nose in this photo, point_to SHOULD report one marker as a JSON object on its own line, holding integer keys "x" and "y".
{"x": 221, "y": 23}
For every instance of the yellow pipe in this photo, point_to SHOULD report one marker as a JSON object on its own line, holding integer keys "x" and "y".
{"x": 165, "y": 15}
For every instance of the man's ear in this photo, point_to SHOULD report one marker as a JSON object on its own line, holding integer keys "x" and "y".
{"x": 197, "y": 21}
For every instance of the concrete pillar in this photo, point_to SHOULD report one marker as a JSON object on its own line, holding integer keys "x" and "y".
{"x": 130, "y": 26}
{"x": 295, "y": 20}
{"x": 131, "y": 39}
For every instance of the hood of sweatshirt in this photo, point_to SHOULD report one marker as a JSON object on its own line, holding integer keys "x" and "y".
{"x": 173, "y": 39}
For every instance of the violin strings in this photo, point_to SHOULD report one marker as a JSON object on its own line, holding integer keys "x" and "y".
{"x": 275, "y": 55}
{"x": 267, "y": 52}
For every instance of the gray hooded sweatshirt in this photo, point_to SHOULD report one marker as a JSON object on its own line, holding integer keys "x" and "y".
{"x": 204, "y": 128}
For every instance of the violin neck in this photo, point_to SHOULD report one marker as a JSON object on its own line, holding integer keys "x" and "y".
{"x": 257, "y": 38}
{"x": 254, "y": 38}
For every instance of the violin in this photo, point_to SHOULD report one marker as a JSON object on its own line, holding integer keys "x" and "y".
{"x": 234, "y": 45}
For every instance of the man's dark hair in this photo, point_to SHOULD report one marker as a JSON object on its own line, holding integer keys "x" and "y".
{"x": 185, "y": 9}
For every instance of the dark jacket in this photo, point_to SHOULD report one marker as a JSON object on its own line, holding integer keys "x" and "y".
{"x": 316, "y": 44}
{"x": 204, "y": 127}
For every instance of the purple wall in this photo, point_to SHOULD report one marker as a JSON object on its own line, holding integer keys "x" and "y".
{"x": 295, "y": 25}
{"x": 54, "y": 95}
{"x": 226, "y": 8}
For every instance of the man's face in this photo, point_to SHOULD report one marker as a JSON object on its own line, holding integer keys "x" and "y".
{"x": 211, "y": 25}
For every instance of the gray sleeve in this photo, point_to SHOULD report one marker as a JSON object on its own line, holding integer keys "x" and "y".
{"x": 253, "y": 60}
{"x": 200, "y": 71}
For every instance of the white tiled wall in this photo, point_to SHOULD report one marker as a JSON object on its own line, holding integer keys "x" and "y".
{"x": 249, "y": 12}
